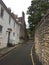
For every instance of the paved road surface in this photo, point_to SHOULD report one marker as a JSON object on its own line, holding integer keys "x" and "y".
{"x": 19, "y": 56}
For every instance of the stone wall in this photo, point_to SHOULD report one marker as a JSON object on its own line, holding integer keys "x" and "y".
{"x": 42, "y": 40}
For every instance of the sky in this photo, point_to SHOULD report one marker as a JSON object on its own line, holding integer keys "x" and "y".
{"x": 17, "y": 6}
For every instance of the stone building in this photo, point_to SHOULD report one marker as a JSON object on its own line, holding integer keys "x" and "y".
{"x": 23, "y": 31}
{"x": 9, "y": 27}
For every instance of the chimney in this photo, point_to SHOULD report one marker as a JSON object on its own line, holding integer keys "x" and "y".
{"x": 0, "y": 0}
{"x": 9, "y": 9}
{"x": 23, "y": 15}
{"x": 14, "y": 15}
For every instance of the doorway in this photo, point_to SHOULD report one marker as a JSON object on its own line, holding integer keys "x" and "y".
{"x": 8, "y": 43}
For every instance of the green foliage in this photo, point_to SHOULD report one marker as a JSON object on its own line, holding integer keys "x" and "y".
{"x": 36, "y": 11}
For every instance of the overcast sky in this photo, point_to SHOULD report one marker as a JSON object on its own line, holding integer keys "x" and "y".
{"x": 17, "y": 6}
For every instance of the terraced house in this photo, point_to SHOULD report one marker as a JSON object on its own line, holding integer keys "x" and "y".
{"x": 9, "y": 27}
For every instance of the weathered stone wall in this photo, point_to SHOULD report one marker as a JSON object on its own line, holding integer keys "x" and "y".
{"x": 42, "y": 40}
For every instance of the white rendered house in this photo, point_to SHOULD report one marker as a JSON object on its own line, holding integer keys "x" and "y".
{"x": 9, "y": 27}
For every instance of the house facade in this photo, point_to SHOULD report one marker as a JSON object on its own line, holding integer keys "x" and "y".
{"x": 9, "y": 27}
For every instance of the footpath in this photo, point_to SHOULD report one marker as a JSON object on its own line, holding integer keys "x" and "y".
{"x": 6, "y": 50}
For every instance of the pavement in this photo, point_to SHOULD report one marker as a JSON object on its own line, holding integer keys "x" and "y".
{"x": 6, "y": 50}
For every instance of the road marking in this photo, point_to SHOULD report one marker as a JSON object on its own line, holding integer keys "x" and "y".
{"x": 32, "y": 56}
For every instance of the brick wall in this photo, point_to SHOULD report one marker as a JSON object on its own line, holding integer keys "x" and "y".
{"x": 42, "y": 40}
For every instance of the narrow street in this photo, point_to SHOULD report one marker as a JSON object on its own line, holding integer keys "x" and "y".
{"x": 19, "y": 56}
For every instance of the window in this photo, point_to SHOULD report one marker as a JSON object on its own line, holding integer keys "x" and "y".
{"x": 2, "y": 11}
{"x": 9, "y": 19}
{"x": 0, "y": 29}
{"x": 14, "y": 24}
{"x": 13, "y": 33}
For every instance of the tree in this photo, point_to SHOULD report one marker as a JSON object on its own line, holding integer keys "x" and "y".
{"x": 36, "y": 11}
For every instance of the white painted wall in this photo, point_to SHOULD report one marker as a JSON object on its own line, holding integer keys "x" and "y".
{"x": 4, "y": 35}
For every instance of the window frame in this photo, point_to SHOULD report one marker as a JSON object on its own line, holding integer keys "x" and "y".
{"x": 2, "y": 12}
{"x": 13, "y": 33}
{"x": 9, "y": 19}
{"x": 1, "y": 27}
{"x": 14, "y": 24}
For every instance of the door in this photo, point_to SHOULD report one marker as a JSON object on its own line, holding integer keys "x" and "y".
{"x": 8, "y": 39}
